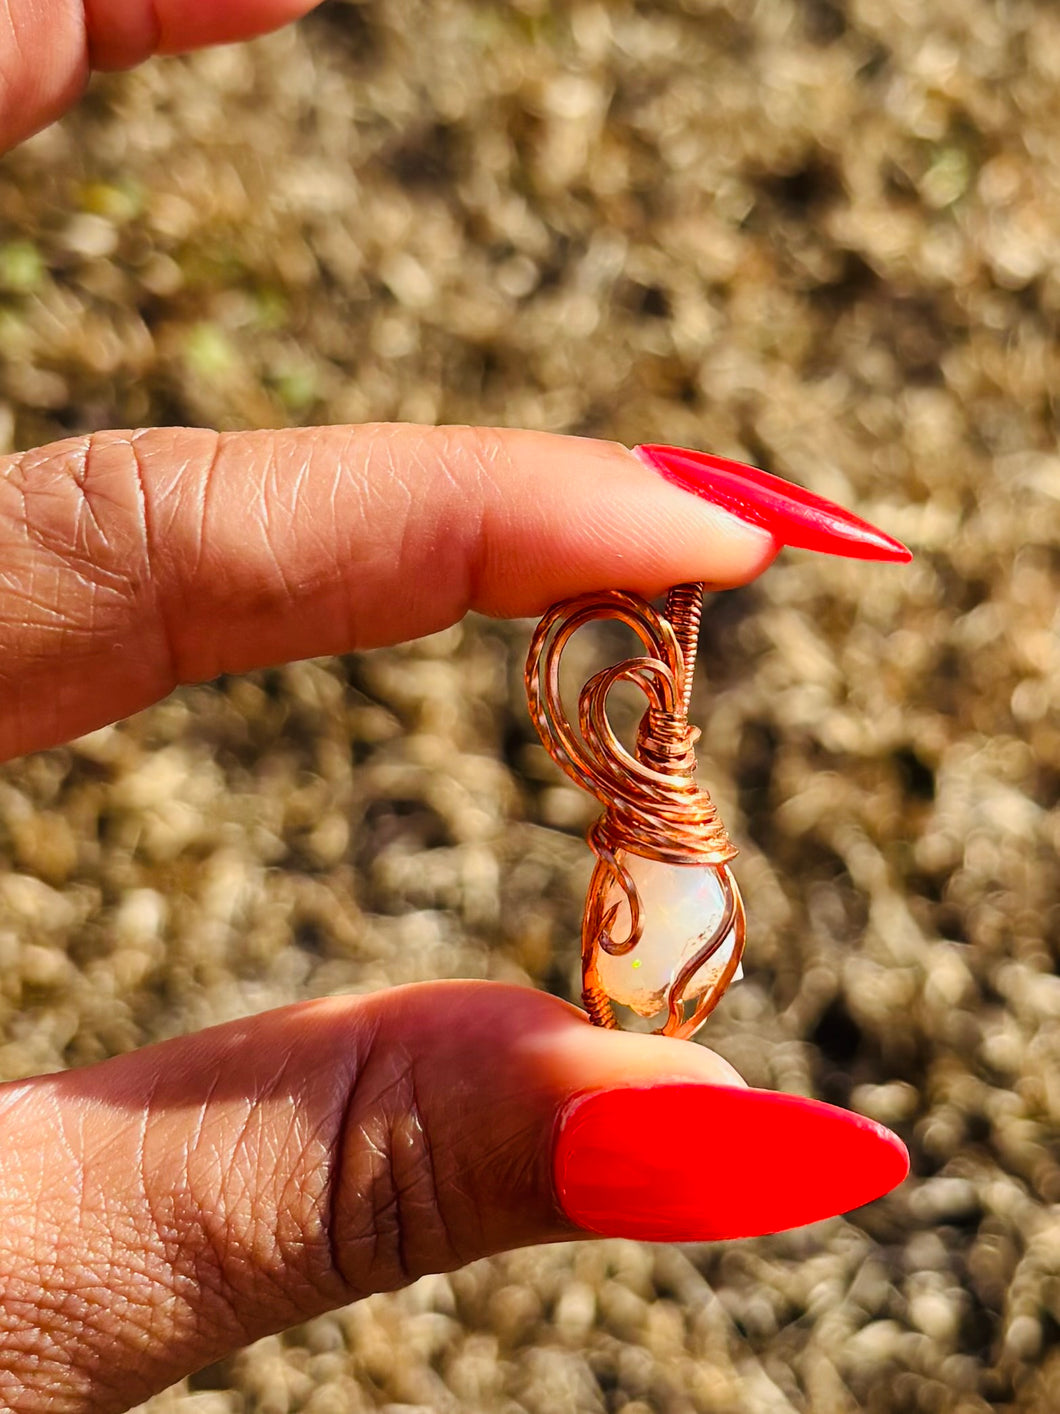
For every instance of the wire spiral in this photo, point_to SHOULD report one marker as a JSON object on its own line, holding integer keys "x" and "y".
{"x": 653, "y": 806}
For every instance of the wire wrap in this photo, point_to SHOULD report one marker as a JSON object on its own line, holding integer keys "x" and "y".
{"x": 652, "y": 804}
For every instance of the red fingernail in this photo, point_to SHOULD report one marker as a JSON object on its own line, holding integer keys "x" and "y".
{"x": 683, "y": 1162}
{"x": 792, "y": 514}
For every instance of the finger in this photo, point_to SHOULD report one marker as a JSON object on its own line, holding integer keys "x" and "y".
{"x": 130, "y": 562}
{"x": 168, "y": 1206}
{"x": 47, "y": 50}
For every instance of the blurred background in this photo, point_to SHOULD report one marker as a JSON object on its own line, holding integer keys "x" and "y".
{"x": 820, "y": 235}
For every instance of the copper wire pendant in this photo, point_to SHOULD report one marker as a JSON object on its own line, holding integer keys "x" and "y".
{"x": 664, "y": 924}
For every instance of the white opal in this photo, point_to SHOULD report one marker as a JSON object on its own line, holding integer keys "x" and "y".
{"x": 681, "y": 905}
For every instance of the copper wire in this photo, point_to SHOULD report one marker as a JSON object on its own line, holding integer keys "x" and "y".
{"x": 652, "y": 804}
{"x": 598, "y": 1004}
{"x": 684, "y": 610}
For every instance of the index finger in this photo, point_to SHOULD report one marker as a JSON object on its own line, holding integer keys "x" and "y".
{"x": 134, "y": 561}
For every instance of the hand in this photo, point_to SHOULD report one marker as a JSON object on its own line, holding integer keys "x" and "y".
{"x": 163, "y": 1208}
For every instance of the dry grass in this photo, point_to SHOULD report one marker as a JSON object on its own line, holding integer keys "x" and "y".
{"x": 823, "y": 237}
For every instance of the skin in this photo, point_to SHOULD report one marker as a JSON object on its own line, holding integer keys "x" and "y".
{"x": 166, "y": 1207}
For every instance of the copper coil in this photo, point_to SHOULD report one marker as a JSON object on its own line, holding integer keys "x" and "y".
{"x": 598, "y": 1004}
{"x": 684, "y": 609}
{"x": 653, "y": 806}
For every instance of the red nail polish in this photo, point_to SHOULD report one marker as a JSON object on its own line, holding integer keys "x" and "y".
{"x": 790, "y": 513}
{"x": 683, "y": 1162}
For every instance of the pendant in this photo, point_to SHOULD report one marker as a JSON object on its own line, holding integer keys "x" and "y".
{"x": 663, "y": 928}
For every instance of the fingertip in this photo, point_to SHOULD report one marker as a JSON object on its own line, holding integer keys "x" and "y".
{"x": 43, "y": 67}
{"x": 718, "y": 546}
{"x": 193, "y": 24}
{"x": 577, "y": 1057}
{"x": 119, "y": 34}
{"x": 578, "y": 514}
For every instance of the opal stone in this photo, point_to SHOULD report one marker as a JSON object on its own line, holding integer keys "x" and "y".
{"x": 681, "y": 905}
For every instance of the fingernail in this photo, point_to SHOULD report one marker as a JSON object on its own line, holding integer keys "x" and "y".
{"x": 792, "y": 514}
{"x": 682, "y": 1162}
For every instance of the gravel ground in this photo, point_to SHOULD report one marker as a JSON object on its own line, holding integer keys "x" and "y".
{"x": 820, "y": 236}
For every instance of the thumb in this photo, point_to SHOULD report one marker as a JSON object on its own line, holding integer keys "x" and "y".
{"x": 166, "y": 1207}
